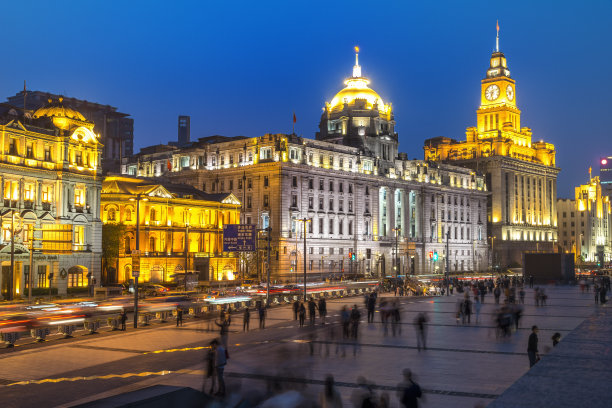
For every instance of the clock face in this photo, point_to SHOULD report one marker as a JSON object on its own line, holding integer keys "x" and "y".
{"x": 492, "y": 92}
{"x": 510, "y": 92}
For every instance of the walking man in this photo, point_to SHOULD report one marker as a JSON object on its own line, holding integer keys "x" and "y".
{"x": 322, "y": 309}
{"x": 123, "y": 319}
{"x": 179, "y": 317}
{"x": 220, "y": 362}
{"x": 371, "y": 305}
{"x": 262, "y": 317}
{"x": 532, "y": 347}
{"x": 312, "y": 307}
{"x": 409, "y": 391}
{"x": 419, "y": 324}
{"x": 246, "y": 319}
{"x": 296, "y": 308}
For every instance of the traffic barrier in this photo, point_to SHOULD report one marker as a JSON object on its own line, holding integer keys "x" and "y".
{"x": 113, "y": 323}
{"x": 10, "y": 338}
{"x": 92, "y": 326}
{"x": 237, "y": 305}
{"x": 334, "y": 293}
{"x": 40, "y": 333}
{"x": 144, "y": 319}
{"x": 66, "y": 330}
{"x": 275, "y": 301}
{"x": 162, "y": 316}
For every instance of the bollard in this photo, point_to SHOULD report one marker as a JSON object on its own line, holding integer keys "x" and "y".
{"x": 10, "y": 338}
{"x": 113, "y": 323}
{"x": 144, "y": 319}
{"x": 66, "y": 330}
{"x": 92, "y": 326}
{"x": 40, "y": 333}
{"x": 162, "y": 316}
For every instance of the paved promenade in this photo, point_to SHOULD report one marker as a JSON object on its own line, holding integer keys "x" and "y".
{"x": 462, "y": 367}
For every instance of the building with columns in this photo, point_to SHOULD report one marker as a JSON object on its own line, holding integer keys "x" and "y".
{"x": 50, "y": 184}
{"x": 176, "y": 227}
{"x": 360, "y": 195}
{"x": 585, "y": 223}
{"x": 520, "y": 173}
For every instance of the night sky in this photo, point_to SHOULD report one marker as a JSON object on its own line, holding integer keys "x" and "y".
{"x": 242, "y": 68}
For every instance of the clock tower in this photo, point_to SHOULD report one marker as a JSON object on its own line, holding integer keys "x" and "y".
{"x": 498, "y": 110}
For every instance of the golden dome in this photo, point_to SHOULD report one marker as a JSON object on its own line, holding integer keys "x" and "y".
{"x": 57, "y": 109}
{"x": 357, "y": 89}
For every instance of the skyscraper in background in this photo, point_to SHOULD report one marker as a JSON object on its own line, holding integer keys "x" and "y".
{"x": 183, "y": 130}
{"x": 605, "y": 175}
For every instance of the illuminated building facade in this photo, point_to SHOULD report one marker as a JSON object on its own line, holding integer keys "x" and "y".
{"x": 520, "y": 173}
{"x": 358, "y": 191}
{"x": 585, "y": 223}
{"x": 167, "y": 214}
{"x": 115, "y": 129}
{"x": 50, "y": 181}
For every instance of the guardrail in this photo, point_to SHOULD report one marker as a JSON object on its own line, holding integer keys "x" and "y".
{"x": 162, "y": 315}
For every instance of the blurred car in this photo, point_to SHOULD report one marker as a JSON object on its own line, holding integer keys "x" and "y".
{"x": 154, "y": 290}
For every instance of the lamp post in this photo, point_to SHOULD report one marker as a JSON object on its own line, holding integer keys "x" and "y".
{"x": 136, "y": 272}
{"x": 397, "y": 230}
{"x": 304, "y": 221}
{"x": 493, "y": 251}
{"x": 447, "y": 262}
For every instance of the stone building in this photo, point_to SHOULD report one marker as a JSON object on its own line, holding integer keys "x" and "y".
{"x": 50, "y": 184}
{"x": 115, "y": 129}
{"x": 520, "y": 173}
{"x": 362, "y": 197}
{"x": 585, "y": 224}
{"x": 163, "y": 214}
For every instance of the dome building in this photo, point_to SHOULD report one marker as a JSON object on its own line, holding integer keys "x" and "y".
{"x": 357, "y": 116}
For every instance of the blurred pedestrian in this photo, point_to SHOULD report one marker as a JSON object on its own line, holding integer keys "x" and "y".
{"x": 302, "y": 314}
{"x": 355, "y": 318}
{"x": 419, "y": 325}
{"x": 312, "y": 311}
{"x": 179, "y": 316}
{"x": 556, "y": 338}
{"x": 532, "y": 347}
{"x": 322, "y": 309}
{"x": 330, "y": 397}
{"x": 221, "y": 357}
{"x": 246, "y": 319}
{"x": 223, "y": 331}
{"x": 477, "y": 307}
{"x": 123, "y": 318}
{"x": 370, "y": 306}
{"x": 262, "y": 317}
{"x": 409, "y": 391}
{"x": 210, "y": 370}
{"x": 296, "y": 308}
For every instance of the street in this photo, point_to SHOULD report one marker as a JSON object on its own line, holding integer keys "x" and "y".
{"x": 463, "y": 364}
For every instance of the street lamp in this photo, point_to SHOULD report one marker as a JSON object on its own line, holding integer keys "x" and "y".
{"x": 397, "y": 230}
{"x": 304, "y": 221}
{"x": 493, "y": 251}
{"x": 136, "y": 271}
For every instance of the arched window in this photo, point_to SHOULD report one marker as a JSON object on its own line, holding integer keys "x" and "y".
{"x": 128, "y": 214}
{"x": 152, "y": 215}
{"x": 128, "y": 244}
{"x": 152, "y": 244}
{"x": 112, "y": 214}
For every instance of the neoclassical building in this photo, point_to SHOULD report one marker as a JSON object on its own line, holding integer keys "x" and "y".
{"x": 360, "y": 195}
{"x": 179, "y": 229}
{"x": 521, "y": 173}
{"x": 50, "y": 184}
{"x": 585, "y": 223}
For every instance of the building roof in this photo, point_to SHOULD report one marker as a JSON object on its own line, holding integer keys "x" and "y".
{"x": 162, "y": 189}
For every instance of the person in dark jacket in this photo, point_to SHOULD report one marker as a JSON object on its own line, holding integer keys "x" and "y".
{"x": 296, "y": 308}
{"x": 312, "y": 309}
{"x": 409, "y": 391}
{"x": 123, "y": 319}
{"x": 371, "y": 305}
{"x": 532, "y": 347}
{"x": 246, "y": 319}
{"x": 322, "y": 309}
{"x": 179, "y": 317}
{"x": 302, "y": 314}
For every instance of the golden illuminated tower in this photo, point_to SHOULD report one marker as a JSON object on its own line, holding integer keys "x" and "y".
{"x": 358, "y": 117}
{"x": 520, "y": 173}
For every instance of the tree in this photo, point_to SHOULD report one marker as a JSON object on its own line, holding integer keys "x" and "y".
{"x": 112, "y": 236}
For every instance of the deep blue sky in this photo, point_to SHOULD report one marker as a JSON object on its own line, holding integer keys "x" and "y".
{"x": 243, "y": 67}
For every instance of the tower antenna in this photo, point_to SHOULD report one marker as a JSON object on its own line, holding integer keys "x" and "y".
{"x": 497, "y": 38}
{"x": 356, "y": 68}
